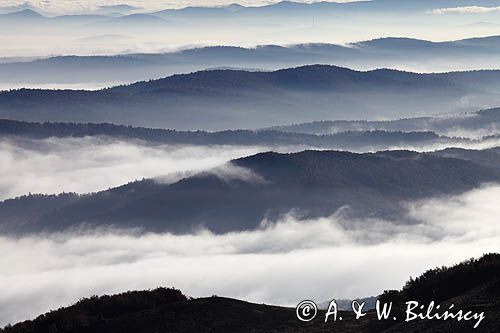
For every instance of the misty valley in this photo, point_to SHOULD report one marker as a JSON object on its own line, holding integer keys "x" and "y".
{"x": 204, "y": 166}
{"x": 244, "y": 196}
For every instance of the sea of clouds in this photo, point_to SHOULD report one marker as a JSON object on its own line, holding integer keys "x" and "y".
{"x": 280, "y": 263}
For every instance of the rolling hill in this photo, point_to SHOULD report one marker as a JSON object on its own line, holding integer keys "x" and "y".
{"x": 222, "y": 99}
{"x": 397, "y": 53}
{"x": 240, "y": 195}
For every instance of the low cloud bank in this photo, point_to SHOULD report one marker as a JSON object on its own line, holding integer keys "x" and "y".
{"x": 467, "y": 10}
{"x": 91, "y": 164}
{"x": 279, "y": 263}
{"x": 476, "y": 145}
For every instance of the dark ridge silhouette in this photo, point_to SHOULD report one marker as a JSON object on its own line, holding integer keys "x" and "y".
{"x": 89, "y": 312}
{"x": 350, "y": 140}
{"x": 266, "y": 186}
{"x": 471, "y": 285}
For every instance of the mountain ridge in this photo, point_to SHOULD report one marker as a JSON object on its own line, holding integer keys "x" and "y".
{"x": 222, "y": 99}
{"x": 348, "y": 140}
{"x": 398, "y": 53}
{"x": 294, "y": 5}
{"x": 266, "y": 186}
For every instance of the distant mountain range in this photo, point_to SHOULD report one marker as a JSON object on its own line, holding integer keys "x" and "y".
{"x": 29, "y": 16}
{"x": 225, "y": 99}
{"x": 280, "y": 8}
{"x": 279, "y": 23}
{"x": 398, "y": 53}
{"x": 322, "y": 7}
{"x": 471, "y": 285}
{"x": 238, "y": 196}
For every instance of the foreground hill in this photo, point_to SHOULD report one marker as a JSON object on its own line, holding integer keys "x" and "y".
{"x": 472, "y": 285}
{"x": 221, "y": 99}
{"x": 239, "y": 195}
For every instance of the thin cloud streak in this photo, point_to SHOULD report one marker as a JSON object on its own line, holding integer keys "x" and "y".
{"x": 55, "y": 165}
{"x": 467, "y": 10}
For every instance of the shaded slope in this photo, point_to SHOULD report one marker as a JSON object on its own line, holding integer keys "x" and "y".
{"x": 239, "y": 196}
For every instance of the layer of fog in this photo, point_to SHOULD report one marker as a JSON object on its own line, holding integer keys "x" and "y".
{"x": 476, "y": 145}
{"x": 5, "y": 86}
{"x": 91, "y": 164}
{"x": 27, "y": 40}
{"x": 23, "y": 45}
{"x": 280, "y": 263}
{"x": 468, "y": 125}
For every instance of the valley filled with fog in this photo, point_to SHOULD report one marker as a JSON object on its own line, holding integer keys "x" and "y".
{"x": 263, "y": 151}
{"x": 350, "y": 256}
{"x": 106, "y": 159}
{"x": 355, "y": 249}
{"x": 318, "y": 259}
